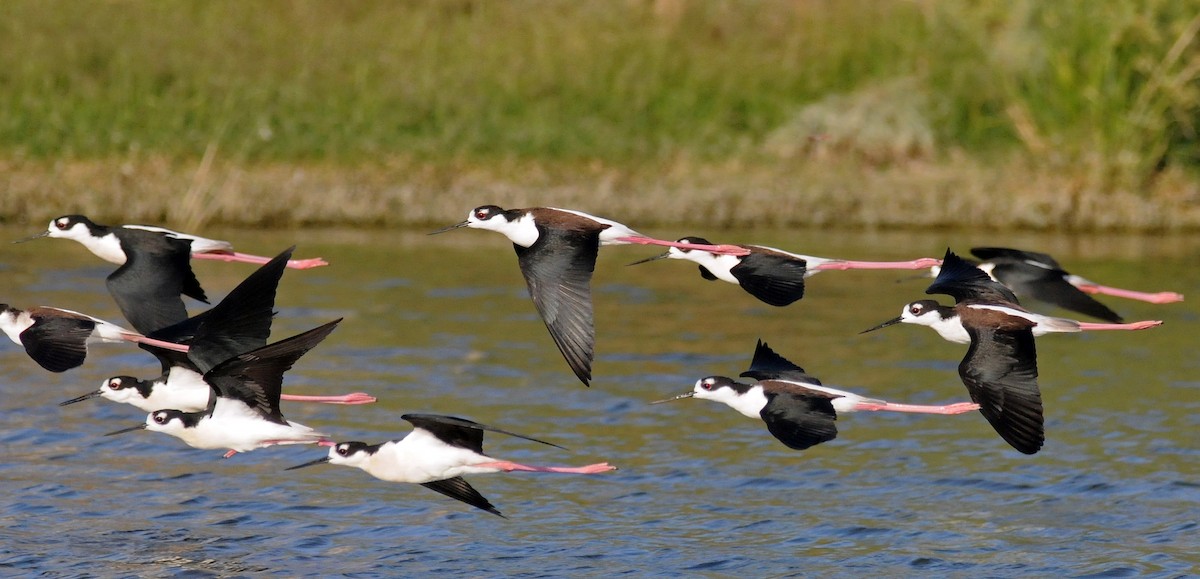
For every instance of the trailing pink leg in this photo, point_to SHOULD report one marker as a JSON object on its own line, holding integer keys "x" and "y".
{"x": 717, "y": 249}
{"x": 957, "y": 408}
{"x": 1154, "y": 298}
{"x": 229, "y": 454}
{"x": 840, "y": 264}
{"x": 507, "y": 466}
{"x": 247, "y": 258}
{"x": 1087, "y": 326}
{"x": 352, "y": 398}
{"x": 140, "y": 339}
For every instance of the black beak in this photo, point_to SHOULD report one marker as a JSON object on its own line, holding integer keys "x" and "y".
{"x": 452, "y": 227}
{"x": 141, "y": 426}
{"x": 315, "y": 462}
{"x": 687, "y": 394}
{"x": 81, "y": 398}
{"x": 657, "y": 257}
{"x": 33, "y": 237}
{"x": 895, "y": 320}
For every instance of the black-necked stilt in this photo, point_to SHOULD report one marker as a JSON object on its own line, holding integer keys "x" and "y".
{"x": 243, "y": 406}
{"x": 1039, "y": 276}
{"x": 556, "y": 250}
{"x": 797, "y": 409}
{"x": 108, "y": 242}
{"x": 1000, "y": 367}
{"x": 964, "y": 281}
{"x": 239, "y": 323}
{"x": 436, "y": 454}
{"x": 57, "y": 339}
{"x": 772, "y": 275}
{"x": 154, "y": 271}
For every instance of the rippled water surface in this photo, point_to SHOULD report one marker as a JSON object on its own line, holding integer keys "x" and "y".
{"x": 442, "y": 324}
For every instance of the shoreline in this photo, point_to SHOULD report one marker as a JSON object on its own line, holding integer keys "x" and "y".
{"x": 818, "y": 193}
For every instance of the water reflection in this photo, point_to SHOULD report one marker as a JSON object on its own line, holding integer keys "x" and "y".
{"x": 443, "y": 325}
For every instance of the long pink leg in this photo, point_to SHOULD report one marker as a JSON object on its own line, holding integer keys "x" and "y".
{"x": 924, "y": 262}
{"x": 507, "y": 466}
{"x": 718, "y": 249}
{"x": 247, "y": 258}
{"x": 1154, "y": 298}
{"x": 140, "y": 339}
{"x": 352, "y": 398}
{"x": 229, "y": 454}
{"x": 957, "y": 408}
{"x": 1130, "y": 326}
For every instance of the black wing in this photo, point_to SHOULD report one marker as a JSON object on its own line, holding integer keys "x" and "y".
{"x": 460, "y": 432}
{"x": 1051, "y": 286}
{"x": 767, "y": 365}
{"x": 256, "y": 377}
{"x": 777, "y": 280}
{"x": 457, "y": 488}
{"x": 558, "y": 270}
{"x": 961, "y": 280}
{"x": 1000, "y": 372}
{"x": 237, "y": 324}
{"x": 993, "y": 253}
{"x": 800, "y": 420}
{"x": 58, "y": 344}
{"x": 148, "y": 286}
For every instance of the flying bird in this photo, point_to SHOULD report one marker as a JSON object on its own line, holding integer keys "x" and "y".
{"x": 58, "y": 339}
{"x": 243, "y": 408}
{"x": 797, "y": 409}
{"x": 239, "y": 323}
{"x": 774, "y": 276}
{"x": 1000, "y": 367}
{"x": 436, "y": 454}
{"x": 556, "y": 250}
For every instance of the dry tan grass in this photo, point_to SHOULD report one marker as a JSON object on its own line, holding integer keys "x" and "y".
{"x": 810, "y": 192}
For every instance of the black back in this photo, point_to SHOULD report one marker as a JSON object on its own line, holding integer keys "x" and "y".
{"x": 58, "y": 344}
{"x": 1000, "y": 373}
{"x": 963, "y": 281}
{"x": 558, "y": 271}
{"x": 157, "y": 271}
{"x": 256, "y": 377}
{"x": 774, "y": 279}
{"x": 460, "y": 432}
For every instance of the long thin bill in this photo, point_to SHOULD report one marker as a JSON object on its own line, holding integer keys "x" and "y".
{"x": 893, "y": 321}
{"x": 92, "y": 394}
{"x": 687, "y": 394}
{"x": 315, "y": 462}
{"x": 33, "y": 237}
{"x": 445, "y": 229}
{"x": 124, "y": 430}
{"x": 649, "y": 259}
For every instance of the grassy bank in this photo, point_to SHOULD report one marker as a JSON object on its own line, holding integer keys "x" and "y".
{"x": 857, "y": 111}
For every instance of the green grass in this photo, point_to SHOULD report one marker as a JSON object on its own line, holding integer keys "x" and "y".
{"x": 1108, "y": 92}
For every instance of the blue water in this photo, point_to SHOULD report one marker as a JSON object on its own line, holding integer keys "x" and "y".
{"x": 442, "y": 325}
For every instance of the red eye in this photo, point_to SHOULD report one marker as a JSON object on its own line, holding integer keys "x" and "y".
{"x": 160, "y": 418}
{"x": 343, "y": 450}
{"x": 115, "y": 385}
{"x": 915, "y": 309}
{"x": 481, "y": 214}
{"x": 706, "y": 385}
{"x": 61, "y": 224}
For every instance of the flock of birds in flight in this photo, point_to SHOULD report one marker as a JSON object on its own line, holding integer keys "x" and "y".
{"x": 221, "y": 381}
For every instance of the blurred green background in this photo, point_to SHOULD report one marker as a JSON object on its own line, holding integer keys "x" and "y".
{"x": 868, "y": 113}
